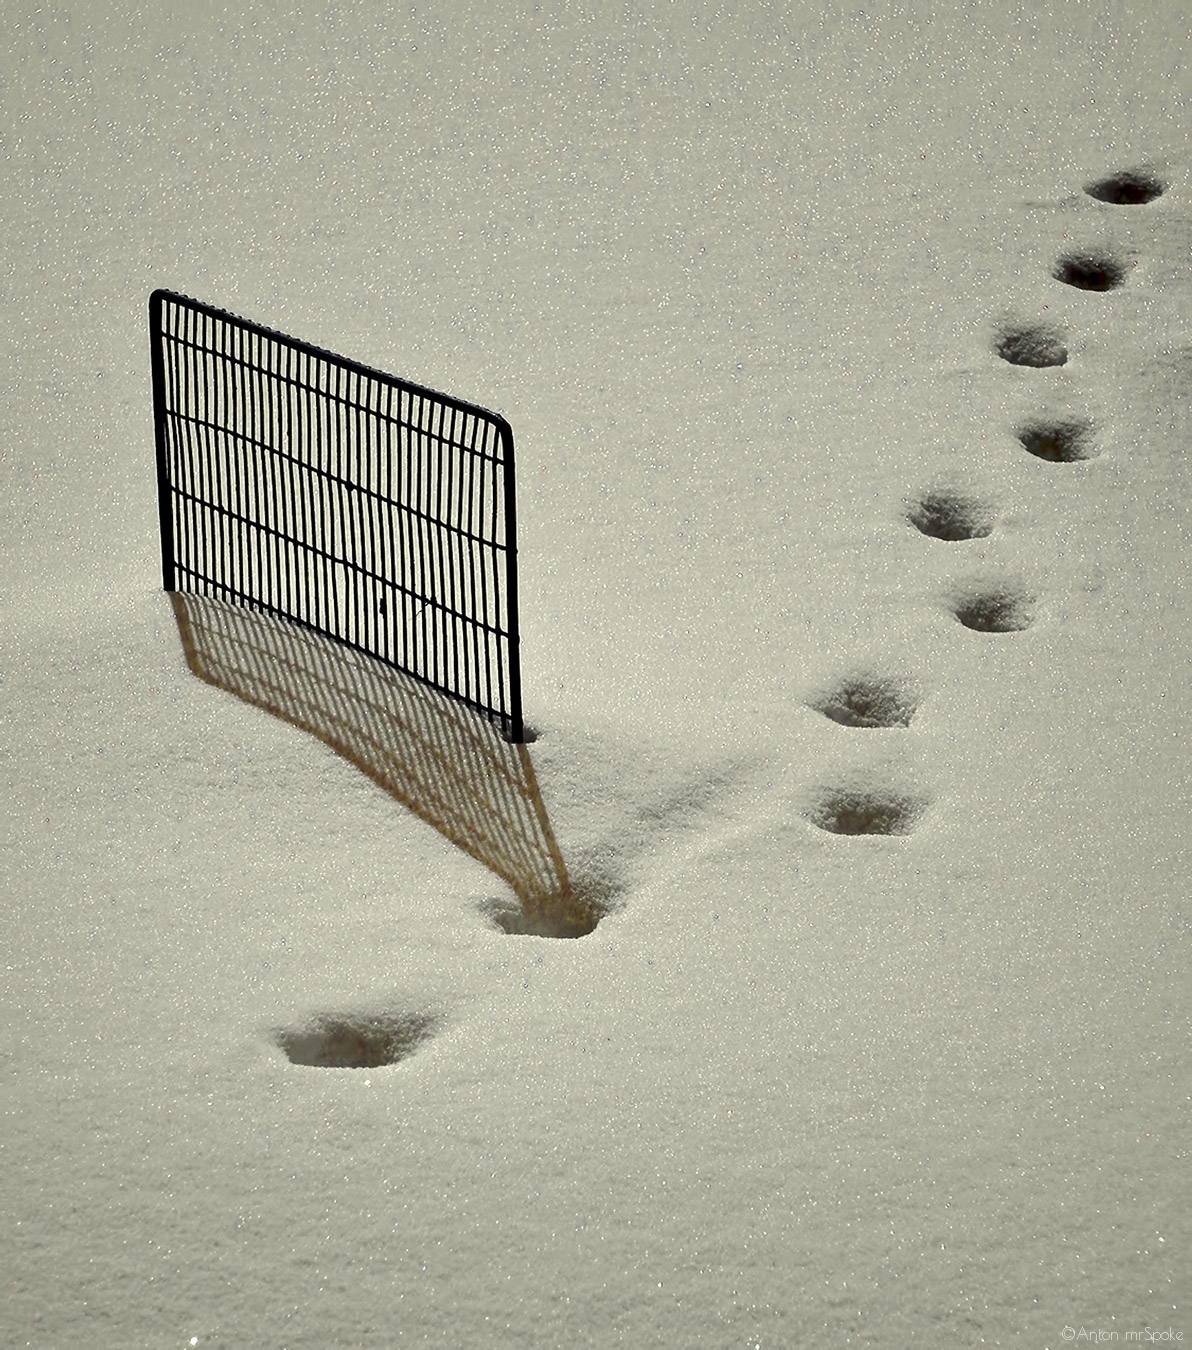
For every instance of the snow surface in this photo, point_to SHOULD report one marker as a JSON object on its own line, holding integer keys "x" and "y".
{"x": 736, "y": 275}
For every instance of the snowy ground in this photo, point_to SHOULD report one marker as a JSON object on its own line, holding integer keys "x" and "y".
{"x": 737, "y": 280}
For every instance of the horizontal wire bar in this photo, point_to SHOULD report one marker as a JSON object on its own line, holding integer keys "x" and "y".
{"x": 343, "y": 562}
{"x": 354, "y": 403}
{"x": 340, "y": 481}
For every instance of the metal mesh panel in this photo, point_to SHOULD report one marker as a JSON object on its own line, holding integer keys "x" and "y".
{"x": 451, "y": 768}
{"x": 300, "y": 483}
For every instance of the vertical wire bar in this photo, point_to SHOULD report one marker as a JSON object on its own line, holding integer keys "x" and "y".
{"x": 207, "y": 379}
{"x": 436, "y": 534}
{"x": 233, "y": 395}
{"x": 175, "y": 428}
{"x": 333, "y": 528}
{"x": 512, "y": 631}
{"x": 165, "y": 489}
{"x": 481, "y": 555}
{"x": 497, "y": 696}
{"x": 282, "y": 477}
{"x": 367, "y": 506}
{"x": 307, "y": 496}
{"x": 239, "y": 449}
{"x": 246, "y": 458}
{"x": 223, "y": 428}
{"x": 363, "y": 587}
{"x": 289, "y": 547}
{"x": 464, "y": 546}
{"x": 359, "y": 584}
{"x": 208, "y": 374}
{"x": 450, "y": 599}
{"x": 201, "y": 399}
{"x": 301, "y": 500}
{"x": 403, "y": 573}
{"x": 178, "y": 450}
{"x": 422, "y": 555}
{"x": 189, "y": 410}
{"x": 336, "y": 540}
{"x": 250, "y": 472}
{"x": 267, "y": 517}
{"x": 180, "y": 438}
{"x": 368, "y": 436}
{"x": 318, "y": 604}
{"x": 422, "y": 527}
{"x": 303, "y": 434}
{"x": 320, "y": 479}
{"x": 391, "y": 534}
{"x": 187, "y": 445}
{"x": 284, "y": 446}
{"x": 443, "y": 541}
{"x": 475, "y": 526}
{"x": 488, "y": 610}
{"x": 341, "y": 550}
{"x": 466, "y": 621}
{"x": 406, "y": 467}
{"x": 272, "y": 390}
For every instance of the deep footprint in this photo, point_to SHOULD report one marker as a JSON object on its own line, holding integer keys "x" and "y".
{"x": 1061, "y": 442}
{"x": 514, "y": 919}
{"x": 1090, "y": 271}
{"x": 1130, "y": 187}
{"x": 856, "y": 811}
{"x": 1035, "y": 345}
{"x": 869, "y": 701}
{"x": 996, "y": 610}
{"x": 572, "y": 915}
{"x": 356, "y": 1041}
{"x": 950, "y": 516}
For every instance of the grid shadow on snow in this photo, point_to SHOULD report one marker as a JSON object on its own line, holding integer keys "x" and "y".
{"x": 452, "y": 768}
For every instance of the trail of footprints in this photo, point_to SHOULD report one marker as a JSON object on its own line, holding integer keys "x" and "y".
{"x": 879, "y": 701}
{"x": 858, "y": 701}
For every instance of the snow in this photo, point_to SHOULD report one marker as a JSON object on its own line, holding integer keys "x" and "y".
{"x": 737, "y": 279}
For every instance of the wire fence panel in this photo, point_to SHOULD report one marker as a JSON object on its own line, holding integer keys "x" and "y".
{"x": 300, "y": 483}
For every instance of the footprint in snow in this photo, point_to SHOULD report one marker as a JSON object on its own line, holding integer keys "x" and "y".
{"x": 1059, "y": 440}
{"x": 865, "y": 700}
{"x": 950, "y": 515}
{"x": 1128, "y": 187}
{"x": 1032, "y": 344}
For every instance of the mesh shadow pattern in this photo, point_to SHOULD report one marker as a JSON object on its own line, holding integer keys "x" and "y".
{"x": 449, "y": 766}
{"x": 300, "y": 483}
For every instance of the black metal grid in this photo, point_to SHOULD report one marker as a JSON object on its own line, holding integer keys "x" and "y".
{"x": 298, "y": 482}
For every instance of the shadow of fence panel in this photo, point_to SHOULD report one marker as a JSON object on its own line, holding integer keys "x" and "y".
{"x": 432, "y": 753}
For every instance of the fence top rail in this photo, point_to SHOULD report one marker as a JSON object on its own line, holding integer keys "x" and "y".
{"x": 160, "y": 297}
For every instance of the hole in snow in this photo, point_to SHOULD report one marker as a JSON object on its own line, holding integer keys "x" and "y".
{"x": 573, "y": 914}
{"x": 356, "y": 1041}
{"x": 1090, "y": 271}
{"x": 869, "y": 701}
{"x": 1061, "y": 442}
{"x": 1032, "y": 345}
{"x": 995, "y": 610}
{"x": 951, "y": 516}
{"x": 1130, "y": 187}
{"x": 865, "y": 811}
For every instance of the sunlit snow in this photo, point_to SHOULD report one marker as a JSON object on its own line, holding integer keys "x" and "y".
{"x": 848, "y": 350}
